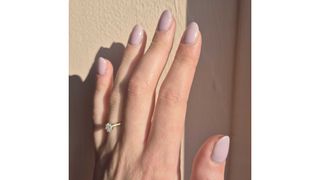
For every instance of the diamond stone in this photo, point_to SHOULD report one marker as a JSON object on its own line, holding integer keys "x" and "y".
{"x": 109, "y": 127}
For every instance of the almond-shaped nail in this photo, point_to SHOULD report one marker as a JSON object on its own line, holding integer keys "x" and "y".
{"x": 220, "y": 150}
{"x": 165, "y": 21}
{"x": 102, "y": 66}
{"x": 136, "y": 35}
{"x": 191, "y": 33}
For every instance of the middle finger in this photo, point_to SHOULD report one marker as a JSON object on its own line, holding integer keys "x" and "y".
{"x": 142, "y": 85}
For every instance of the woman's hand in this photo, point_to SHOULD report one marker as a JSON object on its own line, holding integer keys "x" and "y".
{"x": 147, "y": 143}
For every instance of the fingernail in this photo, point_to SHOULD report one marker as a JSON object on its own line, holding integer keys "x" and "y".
{"x": 102, "y": 66}
{"x": 136, "y": 35}
{"x": 220, "y": 150}
{"x": 165, "y": 21}
{"x": 191, "y": 33}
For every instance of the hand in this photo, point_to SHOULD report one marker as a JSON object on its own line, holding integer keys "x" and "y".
{"x": 147, "y": 143}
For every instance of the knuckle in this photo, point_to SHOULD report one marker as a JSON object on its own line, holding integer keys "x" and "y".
{"x": 159, "y": 43}
{"x": 138, "y": 86}
{"x": 164, "y": 167}
{"x": 101, "y": 86}
{"x": 115, "y": 98}
{"x": 171, "y": 96}
{"x": 187, "y": 60}
{"x": 97, "y": 114}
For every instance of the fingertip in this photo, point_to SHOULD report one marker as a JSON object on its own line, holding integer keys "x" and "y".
{"x": 104, "y": 75}
{"x": 109, "y": 66}
{"x": 165, "y": 21}
{"x": 190, "y": 44}
{"x": 136, "y": 35}
{"x": 191, "y": 33}
{"x": 209, "y": 162}
{"x": 101, "y": 66}
{"x": 221, "y": 150}
{"x": 104, "y": 66}
{"x": 165, "y": 30}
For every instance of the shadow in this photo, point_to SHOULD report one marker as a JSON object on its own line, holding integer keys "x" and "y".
{"x": 81, "y": 145}
{"x": 210, "y": 101}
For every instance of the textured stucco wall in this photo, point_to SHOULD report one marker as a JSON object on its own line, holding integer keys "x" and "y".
{"x": 96, "y": 23}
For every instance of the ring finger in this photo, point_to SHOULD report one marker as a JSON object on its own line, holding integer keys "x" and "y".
{"x": 133, "y": 52}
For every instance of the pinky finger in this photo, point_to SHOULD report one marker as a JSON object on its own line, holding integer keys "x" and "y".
{"x": 101, "y": 100}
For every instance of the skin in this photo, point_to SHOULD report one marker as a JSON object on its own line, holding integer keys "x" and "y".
{"x": 147, "y": 144}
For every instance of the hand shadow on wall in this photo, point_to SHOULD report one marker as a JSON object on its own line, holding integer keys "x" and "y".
{"x": 81, "y": 145}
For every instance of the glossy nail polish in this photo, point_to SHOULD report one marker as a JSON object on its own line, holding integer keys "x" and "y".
{"x": 102, "y": 66}
{"x": 220, "y": 150}
{"x": 191, "y": 33}
{"x": 136, "y": 35}
{"x": 165, "y": 21}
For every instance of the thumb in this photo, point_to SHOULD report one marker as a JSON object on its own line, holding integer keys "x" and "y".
{"x": 210, "y": 160}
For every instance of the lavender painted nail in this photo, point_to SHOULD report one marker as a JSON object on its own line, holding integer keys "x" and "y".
{"x": 191, "y": 33}
{"x": 136, "y": 35}
{"x": 221, "y": 149}
{"x": 165, "y": 21}
{"x": 102, "y": 66}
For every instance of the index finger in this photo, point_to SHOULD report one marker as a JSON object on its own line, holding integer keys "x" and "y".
{"x": 169, "y": 116}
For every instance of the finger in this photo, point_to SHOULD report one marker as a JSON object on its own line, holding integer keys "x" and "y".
{"x": 168, "y": 123}
{"x": 132, "y": 54}
{"x": 209, "y": 162}
{"x": 144, "y": 80}
{"x": 101, "y": 99}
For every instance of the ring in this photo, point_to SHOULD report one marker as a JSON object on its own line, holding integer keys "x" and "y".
{"x": 110, "y": 126}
